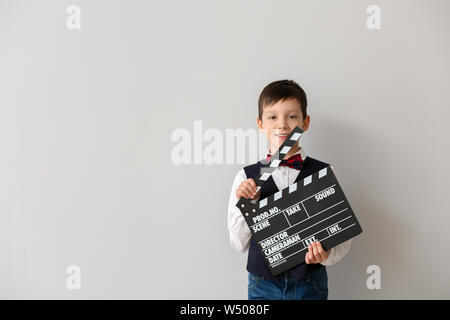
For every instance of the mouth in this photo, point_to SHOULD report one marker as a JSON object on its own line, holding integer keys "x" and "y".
{"x": 281, "y": 137}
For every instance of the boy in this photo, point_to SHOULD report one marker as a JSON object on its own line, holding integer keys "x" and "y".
{"x": 282, "y": 107}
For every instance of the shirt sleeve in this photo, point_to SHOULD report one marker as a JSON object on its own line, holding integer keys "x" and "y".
{"x": 239, "y": 231}
{"x": 337, "y": 253}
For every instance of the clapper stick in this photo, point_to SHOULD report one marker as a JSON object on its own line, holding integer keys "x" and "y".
{"x": 275, "y": 161}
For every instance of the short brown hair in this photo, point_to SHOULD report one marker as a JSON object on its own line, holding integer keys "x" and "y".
{"x": 282, "y": 90}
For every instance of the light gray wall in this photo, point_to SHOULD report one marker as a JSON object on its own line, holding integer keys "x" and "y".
{"x": 86, "y": 118}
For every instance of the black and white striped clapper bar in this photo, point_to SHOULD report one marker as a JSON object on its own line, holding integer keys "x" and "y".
{"x": 285, "y": 223}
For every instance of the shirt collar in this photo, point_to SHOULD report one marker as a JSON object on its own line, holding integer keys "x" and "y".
{"x": 301, "y": 151}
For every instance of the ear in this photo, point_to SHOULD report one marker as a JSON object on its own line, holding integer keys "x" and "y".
{"x": 259, "y": 122}
{"x": 306, "y": 123}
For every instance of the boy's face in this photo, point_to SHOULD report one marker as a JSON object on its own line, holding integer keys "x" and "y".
{"x": 279, "y": 120}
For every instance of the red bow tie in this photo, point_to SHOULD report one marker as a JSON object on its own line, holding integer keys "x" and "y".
{"x": 294, "y": 161}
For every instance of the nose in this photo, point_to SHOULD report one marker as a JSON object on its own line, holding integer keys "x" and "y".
{"x": 282, "y": 124}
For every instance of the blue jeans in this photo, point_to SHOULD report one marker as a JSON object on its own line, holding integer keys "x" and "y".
{"x": 313, "y": 287}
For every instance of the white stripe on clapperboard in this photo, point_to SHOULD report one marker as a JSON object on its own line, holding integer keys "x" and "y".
{"x": 292, "y": 187}
{"x": 275, "y": 214}
{"x": 321, "y": 240}
{"x": 311, "y": 234}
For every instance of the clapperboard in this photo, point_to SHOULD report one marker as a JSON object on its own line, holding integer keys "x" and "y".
{"x": 286, "y": 223}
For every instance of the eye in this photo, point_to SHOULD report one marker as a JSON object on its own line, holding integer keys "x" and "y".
{"x": 293, "y": 117}
{"x": 272, "y": 117}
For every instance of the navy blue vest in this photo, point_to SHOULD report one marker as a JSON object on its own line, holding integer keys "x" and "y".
{"x": 255, "y": 262}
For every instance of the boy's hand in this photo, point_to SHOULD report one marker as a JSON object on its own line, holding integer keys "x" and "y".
{"x": 316, "y": 253}
{"x": 247, "y": 190}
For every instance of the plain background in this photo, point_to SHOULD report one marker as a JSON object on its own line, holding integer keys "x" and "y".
{"x": 86, "y": 116}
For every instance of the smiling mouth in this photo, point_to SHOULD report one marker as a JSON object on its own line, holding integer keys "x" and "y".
{"x": 281, "y": 137}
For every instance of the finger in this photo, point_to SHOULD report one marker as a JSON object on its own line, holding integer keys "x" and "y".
{"x": 313, "y": 259}
{"x": 320, "y": 257}
{"x": 250, "y": 190}
{"x": 243, "y": 192}
{"x": 249, "y": 193}
{"x": 249, "y": 186}
{"x": 322, "y": 252}
{"x": 252, "y": 182}
{"x": 316, "y": 252}
{"x": 311, "y": 255}
{"x": 307, "y": 260}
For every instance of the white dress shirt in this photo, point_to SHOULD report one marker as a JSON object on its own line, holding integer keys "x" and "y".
{"x": 240, "y": 233}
